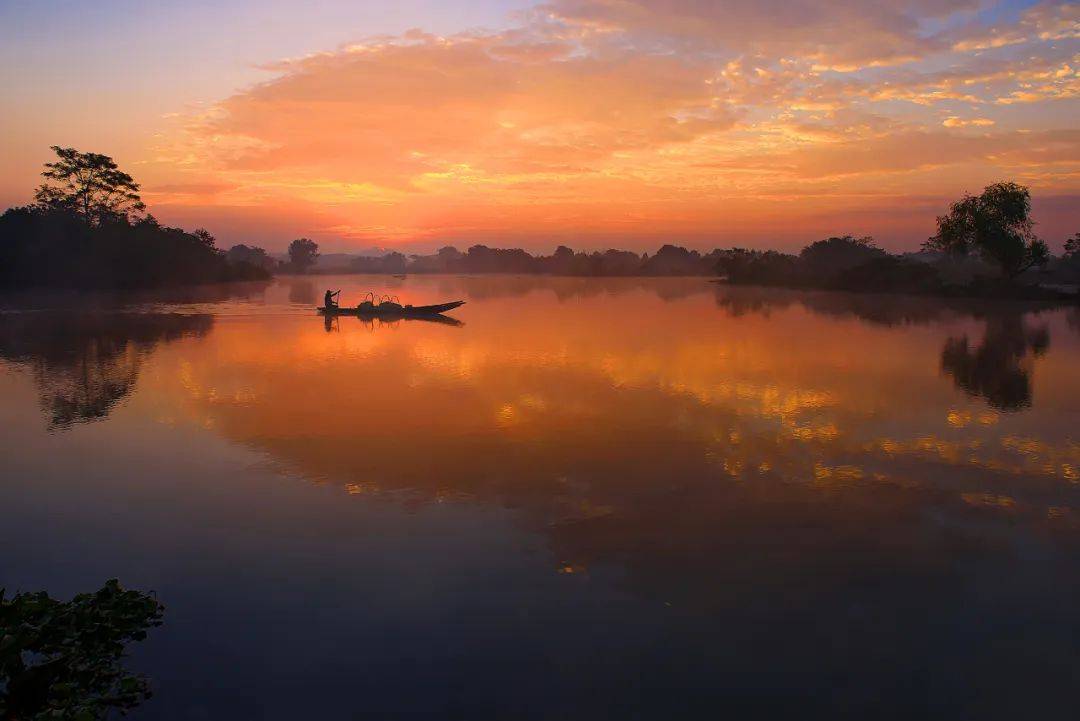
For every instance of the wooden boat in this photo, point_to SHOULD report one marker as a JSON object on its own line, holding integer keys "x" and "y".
{"x": 390, "y": 309}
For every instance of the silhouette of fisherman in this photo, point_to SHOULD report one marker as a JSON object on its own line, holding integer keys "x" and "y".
{"x": 329, "y": 299}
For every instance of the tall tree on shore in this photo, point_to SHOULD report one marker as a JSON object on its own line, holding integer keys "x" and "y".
{"x": 995, "y": 224}
{"x": 89, "y": 184}
{"x": 302, "y": 253}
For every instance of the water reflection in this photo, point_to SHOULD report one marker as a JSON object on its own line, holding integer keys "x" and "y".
{"x": 302, "y": 291}
{"x": 129, "y": 300}
{"x": 795, "y": 477}
{"x": 777, "y": 493}
{"x": 85, "y": 363}
{"x": 332, "y": 324}
{"x": 886, "y": 310}
{"x": 571, "y": 415}
{"x": 563, "y": 289}
{"x": 999, "y": 368}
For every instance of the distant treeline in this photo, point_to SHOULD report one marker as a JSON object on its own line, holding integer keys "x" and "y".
{"x": 86, "y": 230}
{"x": 669, "y": 260}
{"x": 838, "y": 263}
{"x": 985, "y": 246}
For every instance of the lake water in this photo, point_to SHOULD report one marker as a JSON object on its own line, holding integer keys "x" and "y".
{"x": 625, "y": 499}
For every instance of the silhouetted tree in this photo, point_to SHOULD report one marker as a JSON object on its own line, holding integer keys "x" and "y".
{"x": 89, "y": 184}
{"x": 824, "y": 259}
{"x": 1072, "y": 247}
{"x": 390, "y": 263}
{"x": 997, "y": 225}
{"x": 204, "y": 236}
{"x": 302, "y": 253}
{"x": 449, "y": 252}
{"x": 482, "y": 259}
{"x": 740, "y": 266}
{"x": 674, "y": 260}
{"x": 614, "y": 262}
{"x": 252, "y": 255}
{"x": 562, "y": 262}
{"x": 84, "y": 232}
{"x": 448, "y": 259}
{"x": 394, "y": 262}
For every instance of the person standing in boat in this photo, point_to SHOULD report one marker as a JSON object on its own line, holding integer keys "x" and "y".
{"x": 329, "y": 300}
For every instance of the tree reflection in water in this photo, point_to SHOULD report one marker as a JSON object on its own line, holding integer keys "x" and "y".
{"x": 743, "y": 513}
{"x": 302, "y": 292}
{"x": 86, "y": 363}
{"x": 999, "y": 368}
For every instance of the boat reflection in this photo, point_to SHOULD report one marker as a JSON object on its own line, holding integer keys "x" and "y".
{"x": 332, "y": 323}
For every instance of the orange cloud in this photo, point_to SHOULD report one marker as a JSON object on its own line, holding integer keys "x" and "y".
{"x": 618, "y": 122}
{"x": 955, "y": 122}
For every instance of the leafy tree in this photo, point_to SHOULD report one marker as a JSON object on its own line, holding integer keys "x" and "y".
{"x": 449, "y": 253}
{"x": 394, "y": 262}
{"x": 1072, "y": 247}
{"x": 205, "y": 237}
{"x": 252, "y": 255}
{"x": 825, "y": 258}
{"x": 62, "y": 660}
{"x": 756, "y": 267}
{"x": 89, "y": 184}
{"x": 673, "y": 260}
{"x": 302, "y": 253}
{"x": 997, "y": 225}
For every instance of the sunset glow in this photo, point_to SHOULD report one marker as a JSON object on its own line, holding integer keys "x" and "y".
{"x": 596, "y": 123}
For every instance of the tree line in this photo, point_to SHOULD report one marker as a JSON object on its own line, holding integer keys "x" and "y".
{"x": 985, "y": 245}
{"x": 87, "y": 229}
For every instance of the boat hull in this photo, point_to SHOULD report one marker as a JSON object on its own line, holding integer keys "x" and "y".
{"x": 406, "y": 311}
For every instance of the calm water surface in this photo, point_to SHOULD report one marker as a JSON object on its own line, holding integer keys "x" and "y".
{"x": 626, "y": 499}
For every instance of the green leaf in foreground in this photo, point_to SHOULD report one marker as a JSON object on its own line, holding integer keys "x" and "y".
{"x": 62, "y": 660}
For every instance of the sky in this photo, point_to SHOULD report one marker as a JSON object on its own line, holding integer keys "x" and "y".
{"x": 591, "y": 123}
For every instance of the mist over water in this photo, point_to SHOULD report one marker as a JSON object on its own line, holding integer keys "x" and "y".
{"x": 622, "y": 498}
